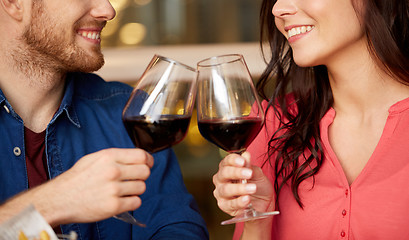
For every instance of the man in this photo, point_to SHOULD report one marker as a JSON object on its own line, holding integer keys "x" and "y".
{"x": 59, "y": 123}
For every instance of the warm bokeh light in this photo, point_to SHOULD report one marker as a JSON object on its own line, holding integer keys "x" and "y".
{"x": 246, "y": 108}
{"x": 142, "y": 2}
{"x": 118, "y": 5}
{"x": 111, "y": 28}
{"x": 180, "y": 107}
{"x": 132, "y": 33}
{"x": 165, "y": 111}
{"x": 194, "y": 138}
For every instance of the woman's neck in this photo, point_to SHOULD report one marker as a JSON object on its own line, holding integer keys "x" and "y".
{"x": 361, "y": 86}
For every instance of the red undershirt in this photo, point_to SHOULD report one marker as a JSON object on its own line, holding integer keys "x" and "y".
{"x": 35, "y": 157}
{"x": 36, "y": 160}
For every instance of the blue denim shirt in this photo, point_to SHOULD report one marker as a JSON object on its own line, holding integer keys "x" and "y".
{"x": 88, "y": 120}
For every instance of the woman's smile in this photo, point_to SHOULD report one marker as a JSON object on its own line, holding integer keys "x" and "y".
{"x": 294, "y": 31}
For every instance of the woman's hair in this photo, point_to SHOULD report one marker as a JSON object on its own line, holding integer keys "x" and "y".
{"x": 386, "y": 25}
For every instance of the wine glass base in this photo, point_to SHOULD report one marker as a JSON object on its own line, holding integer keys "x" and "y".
{"x": 127, "y": 217}
{"x": 249, "y": 215}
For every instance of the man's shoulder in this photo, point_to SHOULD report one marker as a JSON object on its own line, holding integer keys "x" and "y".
{"x": 93, "y": 87}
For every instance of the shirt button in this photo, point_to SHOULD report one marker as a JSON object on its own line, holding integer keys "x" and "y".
{"x": 6, "y": 108}
{"x": 346, "y": 193}
{"x": 17, "y": 151}
{"x": 342, "y": 234}
{"x": 344, "y": 212}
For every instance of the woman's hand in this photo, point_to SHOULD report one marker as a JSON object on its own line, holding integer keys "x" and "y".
{"x": 232, "y": 195}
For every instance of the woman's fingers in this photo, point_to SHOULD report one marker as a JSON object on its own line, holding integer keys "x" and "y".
{"x": 233, "y": 190}
{"x": 232, "y": 168}
{"x": 233, "y": 160}
{"x": 231, "y": 193}
{"x": 234, "y": 206}
{"x": 232, "y": 174}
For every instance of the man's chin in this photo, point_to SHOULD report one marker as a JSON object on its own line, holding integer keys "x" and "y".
{"x": 87, "y": 66}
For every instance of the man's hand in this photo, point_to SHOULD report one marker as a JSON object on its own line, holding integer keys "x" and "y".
{"x": 100, "y": 185}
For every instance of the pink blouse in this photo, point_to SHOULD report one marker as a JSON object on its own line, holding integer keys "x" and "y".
{"x": 374, "y": 206}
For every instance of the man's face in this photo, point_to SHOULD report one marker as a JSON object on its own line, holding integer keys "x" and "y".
{"x": 67, "y": 37}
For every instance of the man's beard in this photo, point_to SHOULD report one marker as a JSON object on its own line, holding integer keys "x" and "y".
{"x": 49, "y": 47}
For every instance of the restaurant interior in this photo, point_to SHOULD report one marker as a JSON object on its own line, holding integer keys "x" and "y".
{"x": 187, "y": 31}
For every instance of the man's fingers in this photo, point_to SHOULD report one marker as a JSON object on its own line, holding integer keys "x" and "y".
{"x": 130, "y": 203}
{"x": 129, "y": 188}
{"x": 128, "y": 156}
{"x": 134, "y": 172}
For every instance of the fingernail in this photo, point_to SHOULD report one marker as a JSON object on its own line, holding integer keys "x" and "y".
{"x": 245, "y": 199}
{"x": 251, "y": 188}
{"x": 239, "y": 161}
{"x": 246, "y": 173}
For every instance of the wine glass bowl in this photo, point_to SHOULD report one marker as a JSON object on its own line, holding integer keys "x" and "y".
{"x": 231, "y": 135}
{"x": 228, "y": 110}
{"x": 158, "y": 112}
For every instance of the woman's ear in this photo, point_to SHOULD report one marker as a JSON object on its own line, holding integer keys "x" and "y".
{"x": 14, "y": 8}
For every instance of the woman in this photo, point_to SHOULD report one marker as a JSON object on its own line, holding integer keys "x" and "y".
{"x": 333, "y": 156}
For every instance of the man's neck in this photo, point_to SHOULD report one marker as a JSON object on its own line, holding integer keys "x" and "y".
{"x": 34, "y": 98}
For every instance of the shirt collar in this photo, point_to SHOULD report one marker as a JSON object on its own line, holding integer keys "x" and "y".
{"x": 67, "y": 105}
{"x": 2, "y": 98}
{"x": 399, "y": 106}
{"x": 6, "y": 105}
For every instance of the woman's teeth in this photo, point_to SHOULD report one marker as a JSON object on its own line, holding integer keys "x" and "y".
{"x": 299, "y": 30}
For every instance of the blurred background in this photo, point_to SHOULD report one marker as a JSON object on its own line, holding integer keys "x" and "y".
{"x": 187, "y": 31}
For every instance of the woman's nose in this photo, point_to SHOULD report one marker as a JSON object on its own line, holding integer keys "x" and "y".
{"x": 284, "y": 8}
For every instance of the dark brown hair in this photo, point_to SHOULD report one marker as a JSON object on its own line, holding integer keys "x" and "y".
{"x": 386, "y": 24}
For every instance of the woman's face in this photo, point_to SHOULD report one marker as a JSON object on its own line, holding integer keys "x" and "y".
{"x": 320, "y": 32}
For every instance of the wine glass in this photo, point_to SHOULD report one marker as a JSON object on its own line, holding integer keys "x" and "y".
{"x": 229, "y": 112}
{"x": 158, "y": 112}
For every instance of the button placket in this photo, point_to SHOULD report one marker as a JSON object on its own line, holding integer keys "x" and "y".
{"x": 345, "y": 215}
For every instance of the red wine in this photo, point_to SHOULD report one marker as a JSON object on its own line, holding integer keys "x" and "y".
{"x": 231, "y": 135}
{"x": 159, "y": 134}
